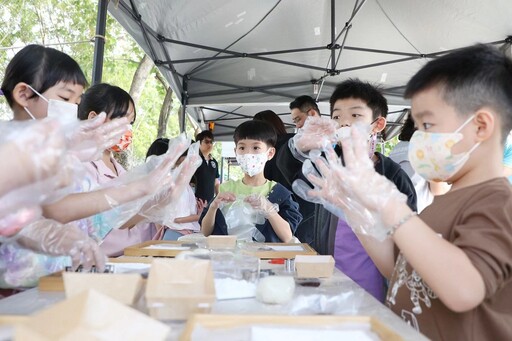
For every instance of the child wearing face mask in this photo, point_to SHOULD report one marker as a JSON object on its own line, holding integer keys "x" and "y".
{"x": 38, "y": 80}
{"x": 255, "y": 141}
{"x": 452, "y": 278}
{"x": 354, "y": 101}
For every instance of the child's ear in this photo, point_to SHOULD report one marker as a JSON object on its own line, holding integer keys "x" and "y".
{"x": 21, "y": 94}
{"x": 486, "y": 124}
{"x": 380, "y": 124}
{"x": 92, "y": 115}
{"x": 271, "y": 153}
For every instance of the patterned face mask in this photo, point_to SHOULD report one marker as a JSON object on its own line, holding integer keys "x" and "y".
{"x": 124, "y": 142}
{"x": 431, "y": 155}
{"x": 252, "y": 164}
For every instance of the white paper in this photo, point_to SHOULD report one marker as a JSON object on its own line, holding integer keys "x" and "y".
{"x": 287, "y": 247}
{"x": 229, "y": 288}
{"x": 167, "y": 247}
{"x": 300, "y": 334}
{"x": 121, "y": 268}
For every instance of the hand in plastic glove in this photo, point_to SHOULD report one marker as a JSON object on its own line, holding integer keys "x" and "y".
{"x": 317, "y": 133}
{"x": 221, "y": 199}
{"x": 200, "y": 205}
{"x": 31, "y": 151}
{"x": 13, "y": 222}
{"x": 357, "y": 189}
{"x": 90, "y": 138}
{"x": 160, "y": 208}
{"x": 262, "y": 204}
{"x": 52, "y": 238}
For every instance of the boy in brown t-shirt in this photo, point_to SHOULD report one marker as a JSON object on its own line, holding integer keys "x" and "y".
{"x": 452, "y": 278}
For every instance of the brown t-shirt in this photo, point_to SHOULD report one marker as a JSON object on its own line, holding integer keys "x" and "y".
{"x": 477, "y": 219}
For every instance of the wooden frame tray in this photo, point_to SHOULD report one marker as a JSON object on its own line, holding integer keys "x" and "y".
{"x": 260, "y": 250}
{"x": 212, "y": 321}
{"x": 278, "y": 250}
{"x": 54, "y": 282}
{"x": 142, "y": 250}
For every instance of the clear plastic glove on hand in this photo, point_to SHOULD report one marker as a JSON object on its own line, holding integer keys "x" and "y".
{"x": 161, "y": 207}
{"x": 32, "y": 151}
{"x": 141, "y": 184}
{"x": 262, "y": 204}
{"x": 50, "y": 237}
{"x": 356, "y": 188}
{"x": 316, "y": 134}
{"x": 87, "y": 140}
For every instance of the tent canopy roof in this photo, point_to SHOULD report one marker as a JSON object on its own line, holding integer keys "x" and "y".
{"x": 228, "y": 59}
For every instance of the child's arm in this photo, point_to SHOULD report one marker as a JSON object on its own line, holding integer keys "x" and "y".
{"x": 280, "y": 226}
{"x": 187, "y": 219}
{"x": 381, "y": 253}
{"x": 208, "y": 223}
{"x": 443, "y": 266}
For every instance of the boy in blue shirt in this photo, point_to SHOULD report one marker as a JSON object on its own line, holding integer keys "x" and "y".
{"x": 255, "y": 141}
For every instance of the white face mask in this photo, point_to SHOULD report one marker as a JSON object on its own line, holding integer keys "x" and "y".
{"x": 64, "y": 112}
{"x": 344, "y": 133}
{"x": 252, "y": 164}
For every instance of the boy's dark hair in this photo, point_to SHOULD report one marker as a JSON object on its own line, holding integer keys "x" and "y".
{"x": 469, "y": 79}
{"x": 107, "y": 98}
{"x": 204, "y": 134}
{"x": 256, "y": 130}
{"x": 273, "y": 119}
{"x": 408, "y": 128}
{"x": 304, "y": 104}
{"x": 365, "y": 91}
{"x": 40, "y": 67}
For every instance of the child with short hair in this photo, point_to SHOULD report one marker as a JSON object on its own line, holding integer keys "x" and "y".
{"x": 452, "y": 279}
{"x": 357, "y": 102}
{"x": 255, "y": 141}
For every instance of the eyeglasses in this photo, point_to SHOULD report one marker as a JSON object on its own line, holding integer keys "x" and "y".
{"x": 207, "y": 141}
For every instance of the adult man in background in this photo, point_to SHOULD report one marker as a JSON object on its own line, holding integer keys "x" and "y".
{"x": 301, "y": 108}
{"x": 207, "y": 175}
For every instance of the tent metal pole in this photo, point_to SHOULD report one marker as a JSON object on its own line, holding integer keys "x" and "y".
{"x": 333, "y": 36}
{"x": 184, "y": 102}
{"x": 239, "y": 54}
{"x": 257, "y": 54}
{"x": 99, "y": 42}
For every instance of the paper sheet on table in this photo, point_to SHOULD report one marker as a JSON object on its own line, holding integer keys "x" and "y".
{"x": 287, "y": 247}
{"x": 167, "y": 247}
{"x": 301, "y": 334}
{"x": 121, "y": 268}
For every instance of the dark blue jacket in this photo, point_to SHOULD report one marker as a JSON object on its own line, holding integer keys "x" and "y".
{"x": 288, "y": 210}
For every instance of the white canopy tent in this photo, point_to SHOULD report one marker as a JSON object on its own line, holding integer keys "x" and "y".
{"x": 228, "y": 59}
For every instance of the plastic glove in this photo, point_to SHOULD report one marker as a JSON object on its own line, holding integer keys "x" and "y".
{"x": 200, "y": 205}
{"x": 316, "y": 134}
{"x": 135, "y": 192}
{"x": 50, "y": 237}
{"x": 357, "y": 189}
{"x": 13, "y": 222}
{"x": 262, "y": 205}
{"x": 221, "y": 199}
{"x": 87, "y": 140}
{"x": 31, "y": 151}
{"x": 161, "y": 207}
